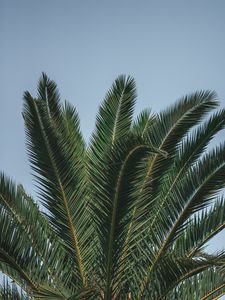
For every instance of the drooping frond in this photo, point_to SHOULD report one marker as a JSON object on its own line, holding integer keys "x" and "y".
{"x": 174, "y": 122}
{"x": 172, "y": 125}
{"x": 34, "y": 231}
{"x": 203, "y": 227}
{"x": 16, "y": 252}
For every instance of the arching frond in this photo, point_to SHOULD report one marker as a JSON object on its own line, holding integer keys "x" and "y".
{"x": 203, "y": 227}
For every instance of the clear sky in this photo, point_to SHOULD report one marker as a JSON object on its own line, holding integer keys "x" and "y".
{"x": 171, "y": 47}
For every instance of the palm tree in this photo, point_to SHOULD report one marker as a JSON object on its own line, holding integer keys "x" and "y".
{"x": 126, "y": 217}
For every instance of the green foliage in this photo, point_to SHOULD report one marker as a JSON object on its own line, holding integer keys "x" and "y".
{"x": 129, "y": 215}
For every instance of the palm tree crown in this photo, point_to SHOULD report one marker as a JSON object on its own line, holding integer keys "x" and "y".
{"x": 128, "y": 216}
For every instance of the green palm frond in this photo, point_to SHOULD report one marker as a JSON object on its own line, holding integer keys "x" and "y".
{"x": 207, "y": 285}
{"x": 127, "y": 217}
{"x": 59, "y": 171}
{"x": 143, "y": 123}
{"x": 36, "y": 229}
{"x": 12, "y": 292}
{"x": 190, "y": 196}
{"x": 21, "y": 262}
{"x": 203, "y": 227}
{"x": 113, "y": 201}
{"x": 166, "y": 133}
{"x": 12, "y": 241}
{"x": 171, "y": 271}
{"x": 171, "y": 127}
{"x": 174, "y": 122}
{"x": 115, "y": 115}
{"x": 193, "y": 193}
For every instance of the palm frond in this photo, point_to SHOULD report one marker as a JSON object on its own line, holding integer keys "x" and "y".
{"x": 174, "y": 123}
{"x": 127, "y": 217}
{"x": 59, "y": 171}
{"x": 200, "y": 185}
{"x": 115, "y": 115}
{"x": 203, "y": 227}
{"x": 166, "y": 134}
{"x": 143, "y": 123}
{"x": 112, "y": 201}
{"x": 207, "y": 285}
{"x": 172, "y": 271}
{"x": 12, "y": 292}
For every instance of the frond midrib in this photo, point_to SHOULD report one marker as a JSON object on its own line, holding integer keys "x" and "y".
{"x": 117, "y": 117}
{"x": 213, "y": 292}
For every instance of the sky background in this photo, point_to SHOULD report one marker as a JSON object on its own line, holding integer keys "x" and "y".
{"x": 171, "y": 48}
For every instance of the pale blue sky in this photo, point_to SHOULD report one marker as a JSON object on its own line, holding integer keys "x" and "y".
{"x": 171, "y": 47}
